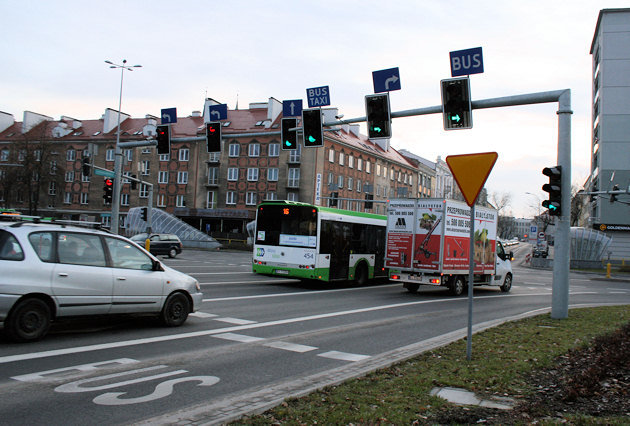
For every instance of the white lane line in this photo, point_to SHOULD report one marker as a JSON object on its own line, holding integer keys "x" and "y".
{"x": 192, "y": 334}
{"x": 343, "y": 356}
{"x": 619, "y": 289}
{"x": 241, "y": 338}
{"x": 235, "y": 321}
{"x": 300, "y": 293}
{"x": 293, "y": 347}
{"x": 203, "y": 315}
{"x": 279, "y": 281}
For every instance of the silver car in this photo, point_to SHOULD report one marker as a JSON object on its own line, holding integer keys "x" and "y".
{"x": 51, "y": 270}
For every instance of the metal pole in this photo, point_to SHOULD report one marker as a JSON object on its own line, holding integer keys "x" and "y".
{"x": 561, "y": 261}
{"x": 117, "y": 161}
{"x": 471, "y": 277}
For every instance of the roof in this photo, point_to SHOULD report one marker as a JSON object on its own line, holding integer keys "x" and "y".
{"x": 599, "y": 20}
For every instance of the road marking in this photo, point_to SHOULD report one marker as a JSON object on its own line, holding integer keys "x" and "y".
{"x": 235, "y": 321}
{"x": 241, "y": 338}
{"x": 343, "y": 356}
{"x": 293, "y": 347}
{"x": 203, "y": 315}
{"x": 192, "y": 334}
{"x": 619, "y": 289}
{"x": 279, "y": 281}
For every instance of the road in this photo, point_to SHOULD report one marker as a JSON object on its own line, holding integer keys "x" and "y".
{"x": 254, "y": 341}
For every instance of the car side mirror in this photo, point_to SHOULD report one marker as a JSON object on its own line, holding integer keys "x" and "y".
{"x": 511, "y": 255}
{"x": 157, "y": 266}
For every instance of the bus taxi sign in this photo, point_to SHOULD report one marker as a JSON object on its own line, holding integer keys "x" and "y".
{"x": 471, "y": 172}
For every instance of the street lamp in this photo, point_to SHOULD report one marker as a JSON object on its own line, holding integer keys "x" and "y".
{"x": 118, "y": 152}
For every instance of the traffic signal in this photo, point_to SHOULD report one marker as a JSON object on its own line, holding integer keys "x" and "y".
{"x": 86, "y": 167}
{"x": 163, "y": 139}
{"x": 456, "y": 104}
{"x": 143, "y": 213}
{"x": 554, "y": 188}
{"x": 289, "y": 133}
{"x": 333, "y": 199}
{"x": 613, "y": 197}
{"x": 108, "y": 190}
{"x": 379, "y": 122}
{"x": 368, "y": 201}
{"x": 312, "y": 126}
{"x": 213, "y": 136}
{"x": 134, "y": 184}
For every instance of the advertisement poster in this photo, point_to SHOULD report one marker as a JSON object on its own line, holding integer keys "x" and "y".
{"x": 428, "y": 234}
{"x": 399, "y": 233}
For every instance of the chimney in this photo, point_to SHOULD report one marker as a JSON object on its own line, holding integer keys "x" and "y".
{"x": 32, "y": 119}
{"x": 6, "y": 121}
{"x": 110, "y": 119}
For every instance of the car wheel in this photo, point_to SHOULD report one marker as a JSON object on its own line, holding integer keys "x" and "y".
{"x": 29, "y": 320}
{"x": 361, "y": 274}
{"x": 457, "y": 286}
{"x": 507, "y": 284}
{"x": 172, "y": 252}
{"x": 175, "y": 310}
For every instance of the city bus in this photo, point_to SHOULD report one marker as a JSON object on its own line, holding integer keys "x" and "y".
{"x": 305, "y": 241}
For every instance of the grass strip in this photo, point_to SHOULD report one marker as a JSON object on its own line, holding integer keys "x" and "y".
{"x": 503, "y": 357}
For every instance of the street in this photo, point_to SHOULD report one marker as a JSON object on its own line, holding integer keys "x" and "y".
{"x": 254, "y": 341}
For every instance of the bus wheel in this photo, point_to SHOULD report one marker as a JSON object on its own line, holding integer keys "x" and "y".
{"x": 361, "y": 275}
{"x": 457, "y": 286}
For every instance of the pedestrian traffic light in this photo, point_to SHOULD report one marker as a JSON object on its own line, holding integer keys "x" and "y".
{"x": 379, "y": 122}
{"x": 163, "y": 139}
{"x": 289, "y": 133}
{"x": 333, "y": 199}
{"x": 213, "y": 136}
{"x": 86, "y": 167}
{"x": 143, "y": 213}
{"x": 312, "y": 126}
{"x": 456, "y": 104}
{"x": 108, "y": 190}
{"x": 554, "y": 188}
{"x": 368, "y": 201}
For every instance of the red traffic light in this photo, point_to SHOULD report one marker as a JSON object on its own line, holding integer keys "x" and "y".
{"x": 109, "y": 182}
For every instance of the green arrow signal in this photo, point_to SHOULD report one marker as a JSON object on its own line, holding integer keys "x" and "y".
{"x": 311, "y": 139}
{"x": 376, "y": 129}
{"x": 455, "y": 118}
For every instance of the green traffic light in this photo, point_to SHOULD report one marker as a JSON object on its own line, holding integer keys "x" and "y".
{"x": 377, "y": 129}
{"x": 455, "y": 118}
{"x": 311, "y": 139}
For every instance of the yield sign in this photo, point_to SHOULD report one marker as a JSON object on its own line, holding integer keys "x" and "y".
{"x": 471, "y": 172}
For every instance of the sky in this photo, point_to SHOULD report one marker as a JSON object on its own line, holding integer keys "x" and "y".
{"x": 54, "y": 53}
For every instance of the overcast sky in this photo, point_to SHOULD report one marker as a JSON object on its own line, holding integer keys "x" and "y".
{"x": 54, "y": 53}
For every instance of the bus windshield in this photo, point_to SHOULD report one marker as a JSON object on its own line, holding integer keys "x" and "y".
{"x": 286, "y": 225}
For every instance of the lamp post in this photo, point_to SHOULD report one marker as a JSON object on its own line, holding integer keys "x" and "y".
{"x": 118, "y": 152}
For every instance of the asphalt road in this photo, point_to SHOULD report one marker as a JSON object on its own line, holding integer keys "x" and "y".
{"x": 254, "y": 341}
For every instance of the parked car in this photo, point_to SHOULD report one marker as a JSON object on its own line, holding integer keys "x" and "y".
{"x": 52, "y": 270}
{"x": 540, "y": 251}
{"x": 165, "y": 244}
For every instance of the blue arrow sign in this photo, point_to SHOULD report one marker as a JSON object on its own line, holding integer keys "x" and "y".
{"x": 386, "y": 80}
{"x": 466, "y": 62}
{"x": 292, "y": 108}
{"x": 169, "y": 115}
{"x": 318, "y": 96}
{"x": 217, "y": 112}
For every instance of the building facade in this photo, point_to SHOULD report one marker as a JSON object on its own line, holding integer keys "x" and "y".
{"x": 610, "y": 165}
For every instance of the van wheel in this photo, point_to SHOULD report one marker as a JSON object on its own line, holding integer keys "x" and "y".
{"x": 29, "y": 320}
{"x": 457, "y": 286}
{"x": 175, "y": 311}
{"x": 172, "y": 253}
{"x": 361, "y": 275}
{"x": 412, "y": 288}
{"x": 507, "y": 284}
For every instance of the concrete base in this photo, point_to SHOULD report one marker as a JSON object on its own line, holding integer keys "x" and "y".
{"x": 465, "y": 397}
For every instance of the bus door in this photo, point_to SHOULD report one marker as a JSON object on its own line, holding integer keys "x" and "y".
{"x": 338, "y": 235}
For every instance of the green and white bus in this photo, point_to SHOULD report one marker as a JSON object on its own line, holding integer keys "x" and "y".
{"x": 311, "y": 242}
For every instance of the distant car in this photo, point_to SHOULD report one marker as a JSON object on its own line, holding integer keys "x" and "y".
{"x": 164, "y": 244}
{"x": 540, "y": 252}
{"x": 55, "y": 270}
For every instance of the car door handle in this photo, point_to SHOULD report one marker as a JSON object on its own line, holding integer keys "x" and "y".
{"x": 121, "y": 278}
{"x": 63, "y": 274}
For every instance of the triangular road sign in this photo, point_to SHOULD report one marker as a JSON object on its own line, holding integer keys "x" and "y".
{"x": 471, "y": 172}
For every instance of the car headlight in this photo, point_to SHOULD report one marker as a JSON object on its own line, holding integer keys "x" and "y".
{"x": 197, "y": 286}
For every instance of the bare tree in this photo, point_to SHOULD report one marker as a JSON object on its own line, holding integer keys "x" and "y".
{"x": 506, "y": 227}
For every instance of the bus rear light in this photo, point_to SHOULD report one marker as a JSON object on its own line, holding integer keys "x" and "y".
{"x": 395, "y": 277}
{"x": 434, "y": 280}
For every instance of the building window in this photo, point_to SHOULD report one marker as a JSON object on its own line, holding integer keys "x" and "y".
{"x": 52, "y": 188}
{"x": 163, "y": 177}
{"x": 232, "y": 174}
{"x": 164, "y": 157}
{"x": 274, "y": 149}
{"x": 331, "y": 178}
{"x": 124, "y": 199}
{"x": 234, "y": 150}
{"x": 294, "y": 178}
{"x": 230, "y": 198}
{"x": 129, "y": 155}
{"x": 251, "y": 199}
{"x": 331, "y": 155}
{"x": 358, "y": 185}
{"x": 210, "y": 200}
{"x": 85, "y": 178}
{"x": 4, "y": 155}
{"x": 292, "y": 196}
{"x": 161, "y": 200}
{"x": 271, "y": 196}
{"x": 146, "y": 167}
{"x": 180, "y": 201}
{"x": 351, "y": 161}
{"x": 359, "y": 164}
{"x": 71, "y": 155}
{"x": 84, "y": 197}
{"x": 109, "y": 155}
{"x": 214, "y": 157}
{"x": 184, "y": 154}
{"x": 53, "y": 167}
{"x": 254, "y": 150}
{"x": 272, "y": 174}
{"x": 367, "y": 167}
{"x": 295, "y": 155}
{"x": 339, "y": 182}
{"x": 378, "y": 170}
{"x": 252, "y": 174}
{"x": 213, "y": 176}
{"x": 106, "y": 221}
{"x": 182, "y": 177}
{"x": 350, "y": 183}
{"x": 341, "y": 157}
{"x": 67, "y": 198}
{"x": 69, "y": 176}
{"x": 144, "y": 191}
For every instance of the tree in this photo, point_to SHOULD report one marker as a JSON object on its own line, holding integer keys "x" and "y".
{"x": 506, "y": 226}
{"x": 40, "y": 171}
{"x": 579, "y": 204}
